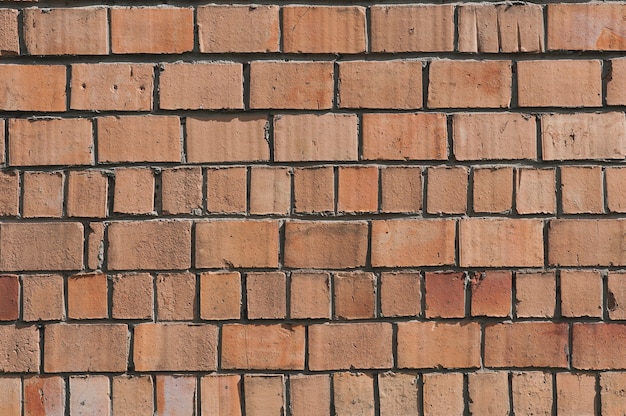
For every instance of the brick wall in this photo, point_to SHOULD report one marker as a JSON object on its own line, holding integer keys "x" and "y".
{"x": 291, "y": 209}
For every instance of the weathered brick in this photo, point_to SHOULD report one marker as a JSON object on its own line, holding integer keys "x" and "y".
{"x": 357, "y": 189}
{"x": 10, "y": 298}
{"x": 227, "y": 190}
{"x": 221, "y": 394}
{"x": 576, "y": 393}
{"x": 616, "y": 295}
{"x": 445, "y": 295}
{"x": 401, "y": 188}
{"x": 176, "y": 395}
{"x": 44, "y": 395}
{"x": 89, "y": 395}
{"x": 491, "y": 293}
{"x": 181, "y": 190}
{"x": 270, "y": 190}
{"x": 220, "y": 295}
{"x": 532, "y": 393}
{"x": 9, "y": 193}
{"x": 9, "y": 37}
{"x": 133, "y": 296}
{"x": 615, "y": 189}
{"x": 582, "y": 190}
{"x": 594, "y": 346}
{"x": 535, "y": 295}
{"x": 353, "y": 394}
{"x": 612, "y": 384}
{"x": 535, "y": 191}
{"x": 310, "y": 295}
{"x": 95, "y": 245}
{"x": 313, "y": 189}
{"x": 581, "y": 293}
{"x": 87, "y": 194}
{"x": 443, "y": 394}
{"x": 398, "y": 393}
{"x": 616, "y": 83}
{"x": 32, "y": 87}
{"x": 400, "y": 294}
{"x": 87, "y": 296}
{"x": 266, "y": 294}
{"x": 19, "y": 349}
{"x": 43, "y": 297}
{"x": 43, "y": 194}
{"x": 493, "y": 189}
{"x": 264, "y": 394}
{"x": 488, "y": 393}
{"x": 447, "y": 189}
{"x": 309, "y": 394}
{"x": 354, "y": 295}
{"x": 132, "y": 395}
{"x": 176, "y": 297}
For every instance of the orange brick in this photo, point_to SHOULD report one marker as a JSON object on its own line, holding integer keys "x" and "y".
{"x": 413, "y": 242}
{"x": 354, "y": 295}
{"x": 9, "y": 193}
{"x": 410, "y": 136}
{"x": 80, "y": 348}
{"x": 175, "y": 395}
{"x": 71, "y": 31}
{"x": 535, "y": 191}
{"x": 138, "y": 139}
{"x": 9, "y": 37}
{"x": 616, "y": 295}
{"x": 350, "y": 346}
{"x": 612, "y": 400}
{"x": 151, "y": 29}
{"x": 576, "y": 393}
{"x": 491, "y": 293}
{"x": 133, "y": 246}
{"x": 443, "y": 394}
{"x": 95, "y": 245}
{"x": 175, "y": 347}
{"x": 344, "y": 32}
{"x": 593, "y": 346}
{"x": 380, "y": 84}
{"x": 270, "y": 190}
{"x": 357, "y": 189}
{"x": 87, "y": 194}
{"x": 220, "y": 28}
{"x": 398, "y": 393}
{"x": 493, "y": 189}
{"x": 616, "y": 82}
{"x": 10, "y": 299}
{"x": 615, "y": 189}
{"x": 400, "y": 294}
{"x": 312, "y": 137}
{"x": 227, "y": 190}
{"x": 181, "y": 190}
{"x": 500, "y": 136}
{"x": 87, "y": 296}
{"x": 32, "y": 88}
{"x": 89, "y": 395}
{"x": 134, "y": 191}
{"x": 43, "y": 298}
{"x": 445, "y": 295}
{"x": 43, "y": 194}
{"x": 582, "y": 190}
{"x": 133, "y": 296}
{"x": 532, "y": 393}
{"x": 266, "y": 295}
{"x": 526, "y": 344}
{"x": 176, "y": 296}
{"x": 412, "y": 28}
{"x": 438, "y": 345}
{"x": 263, "y": 347}
{"x": 132, "y": 394}
{"x": 103, "y": 87}
{"x": 583, "y": 136}
{"x": 310, "y": 295}
{"x": 264, "y": 394}
{"x": 234, "y": 243}
{"x": 535, "y": 295}
{"x": 447, "y": 190}
{"x": 337, "y": 244}
{"x": 313, "y": 189}
{"x": 309, "y": 394}
{"x": 227, "y": 139}
{"x": 401, "y": 189}
{"x": 67, "y": 142}
{"x": 44, "y": 395}
{"x": 353, "y": 394}
{"x": 19, "y": 349}
{"x": 581, "y": 293}
{"x": 292, "y": 85}
{"x": 193, "y": 86}
{"x": 466, "y": 84}
{"x": 220, "y": 296}
{"x": 221, "y": 394}
{"x": 488, "y": 393}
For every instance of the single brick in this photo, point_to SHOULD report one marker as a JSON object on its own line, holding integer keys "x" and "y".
{"x": 266, "y": 295}
{"x": 201, "y": 86}
{"x": 616, "y": 295}
{"x": 615, "y": 189}
{"x": 291, "y": 85}
{"x": 264, "y": 394}
{"x": 488, "y": 393}
{"x": 581, "y": 190}
{"x": 175, "y": 395}
{"x": 309, "y": 394}
{"x": 152, "y": 29}
{"x": 612, "y": 384}
{"x": 87, "y": 296}
{"x": 447, "y": 190}
{"x": 43, "y": 298}
{"x": 138, "y": 139}
{"x": 220, "y": 295}
{"x": 526, "y": 344}
{"x": 380, "y": 84}
{"x": 594, "y": 346}
{"x": 401, "y": 189}
{"x": 313, "y": 189}
{"x": 357, "y": 189}
{"x": 9, "y": 37}
{"x": 313, "y": 137}
{"x": 400, "y": 294}
{"x": 532, "y": 393}
{"x": 95, "y": 245}
{"x": 354, "y": 295}
{"x": 581, "y": 293}
{"x": 583, "y": 136}
{"x": 315, "y": 244}
{"x": 9, "y": 193}
{"x": 19, "y": 349}
{"x": 176, "y": 296}
{"x": 535, "y": 191}
{"x": 71, "y": 31}
{"x": 270, "y": 190}
{"x": 398, "y": 393}
{"x": 576, "y": 393}
{"x": 181, "y": 190}
{"x": 85, "y": 348}
{"x": 175, "y": 347}
{"x": 132, "y": 395}
{"x": 32, "y": 88}
{"x": 220, "y": 28}
{"x": 9, "y": 298}
{"x": 227, "y": 190}
{"x": 87, "y": 194}
{"x": 236, "y": 243}
{"x": 535, "y": 295}
{"x": 616, "y": 83}
{"x": 491, "y": 293}
{"x": 445, "y": 295}
{"x": 412, "y": 28}
{"x": 493, "y": 189}
{"x": 263, "y": 347}
{"x": 345, "y": 29}
{"x": 221, "y": 394}
{"x": 134, "y": 191}
{"x": 350, "y": 346}
{"x": 104, "y": 87}
{"x": 50, "y": 142}
{"x": 133, "y": 296}
{"x": 413, "y": 242}
{"x": 353, "y": 394}
{"x": 443, "y": 394}
{"x": 89, "y": 395}
{"x": 499, "y": 136}
{"x": 44, "y": 395}
{"x": 227, "y": 139}
{"x": 310, "y": 295}
{"x": 438, "y": 345}
{"x": 43, "y": 194}
{"x": 467, "y": 84}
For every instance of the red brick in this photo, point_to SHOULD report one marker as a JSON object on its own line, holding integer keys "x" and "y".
{"x": 270, "y": 190}
{"x": 400, "y": 294}
{"x": 87, "y": 296}
{"x": 175, "y": 347}
{"x": 227, "y": 139}
{"x": 133, "y": 246}
{"x": 412, "y": 28}
{"x": 354, "y": 295}
{"x": 89, "y": 395}
{"x": 103, "y": 87}
{"x": 594, "y": 346}
{"x": 582, "y": 190}
{"x": 151, "y": 29}
{"x": 264, "y": 395}
{"x": 443, "y": 394}
{"x": 353, "y": 394}
{"x": 493, "y": 189}
{"x": 292, "y": 85}
{"x": 403, "y": 136}
{"x": 344, "y": 29}
{"x": 526, "y": 344}
{"x": 134, "y": 191}
{"x": 82, "y": 348}
{"x": 398, "y": 393}
{"x": 220, "y": 296}
{"x": 176, "y": 297}
{"x": 138, "y": 139}
{"x": 220, "y": 28}
{"x": 87, "y": 194}
{"x": 616, "y": 295}
{"x": 357, "y": 189}
{"x": 133, "y": 296}
{"x": 438, "y": 345}
{"x": 562, "y": 83}
{"x": 43, "y": 298}
{"x": 576, "y": 393}
{"x": 32, "y": 88}
{"x": 72, "y": 31}
{"x": 95, "y": 245}
{"x": 175, "y": 395}
{"x": 312, "y": 137}
{"x": 447, "y": 190}
{"x": 132, "y": 395}
{"x": 181, "y": 190}
{"x": 616, "y": 82}
{"x": 535, "y": 295}
{"x": 350, "y": 346}
{"x": 491, "y": 293}
{"x": 583, "y": 136}
{"x": 44, "y": 395}
{"x": 532, "y": 393}
{"x": 612, "y": 399}
{"x": 43, "y": 194}
{"x": 236, "y": 243}
{"x": 309, "y": 394}
{"x": 401, "y": 189}
{"x": 221, "y": 394}
{"x": 266, "y": 295}
{"x": 336, "y": 245}
{"x": 535, "y": 191}
{"x": 581, "y": 293}
{"x": 314, "y": 189}
{"x": 196, "y": 86}
{"x": 9, "y": 37}
{"x": 19, "y": 349}
{"x": 488, "y": 393}
{"x": 380, "y": 84}
{"x": 466, "y": 84}
{"x": 413, "y": 242}
{"x": 445, "y": 295}
{"x": 615, "y": 189}
{"x": 500, "y": 136}
{"x": 9, "y": 193}
{"x": 227, "y": 190}
{"x": 263, "y": 347}
{"x": 41, "y": 246}
{"x": 310, "y": 295}
{"x": 9, "y": 298}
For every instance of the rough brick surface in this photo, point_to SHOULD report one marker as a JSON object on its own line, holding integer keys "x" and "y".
{"x": 32, "y": 87}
